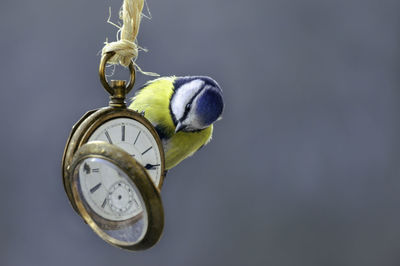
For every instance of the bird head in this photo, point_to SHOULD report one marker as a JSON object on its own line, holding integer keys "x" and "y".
{"x": 196, "y": 103}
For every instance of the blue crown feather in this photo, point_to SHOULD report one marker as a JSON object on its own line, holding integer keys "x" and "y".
{"x": 210, "y": 106}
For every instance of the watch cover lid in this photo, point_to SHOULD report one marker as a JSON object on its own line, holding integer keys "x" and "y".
{"x": 115, "y": 196}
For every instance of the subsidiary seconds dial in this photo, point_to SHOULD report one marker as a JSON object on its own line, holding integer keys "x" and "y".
{"x": 134, "y": 138}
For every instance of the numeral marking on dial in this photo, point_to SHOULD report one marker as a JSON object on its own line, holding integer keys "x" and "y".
{"x": 123, "y": 133}
{"x": 95, "y": 188}
{"x": 137, "y": 137}
{"x": 147, "y": 150}
{"x": 86, "y": 168}
{"x": 95, "y": 170}
{"x": 137, "y": 204}
{"x": 108, "y": 137}
{"x": 104, "y": 203}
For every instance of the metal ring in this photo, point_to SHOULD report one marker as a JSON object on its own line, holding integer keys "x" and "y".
{"x": 103, "y": 78}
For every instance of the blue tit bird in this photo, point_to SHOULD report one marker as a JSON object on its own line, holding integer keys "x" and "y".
{"x": 182, "y": 110}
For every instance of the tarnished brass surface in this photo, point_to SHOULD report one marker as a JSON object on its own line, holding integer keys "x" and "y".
{"x": 85, "y": 127}
{"x": 119, "y": 93}
{"x": 78, "y": 149}
{"x": 102, "y": 74}
{"x": 64, "y": 172}
{"x": 139, "y": 177}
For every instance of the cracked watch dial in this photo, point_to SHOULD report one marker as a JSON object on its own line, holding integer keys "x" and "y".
{"x": 108, "y": 191}
{"x": 135, "y": 139}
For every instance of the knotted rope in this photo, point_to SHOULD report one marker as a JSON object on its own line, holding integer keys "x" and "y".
{"x": 126, "y": 48}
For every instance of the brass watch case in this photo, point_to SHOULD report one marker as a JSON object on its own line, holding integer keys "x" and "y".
{"x": 78, "y": 148}
{"x": 85, "y": 127}
{"x": 138, "y": 175}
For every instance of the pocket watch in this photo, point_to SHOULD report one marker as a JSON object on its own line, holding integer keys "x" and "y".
{"x": 113, "y": 170}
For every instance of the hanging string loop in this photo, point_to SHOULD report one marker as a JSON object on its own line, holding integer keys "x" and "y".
{"x": 126, "y": 48}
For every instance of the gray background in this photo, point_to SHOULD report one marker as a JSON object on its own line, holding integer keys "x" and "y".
{"x": 303, "y": 169}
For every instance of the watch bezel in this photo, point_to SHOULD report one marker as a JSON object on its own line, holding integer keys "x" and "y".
{"x": 139, "y": 176}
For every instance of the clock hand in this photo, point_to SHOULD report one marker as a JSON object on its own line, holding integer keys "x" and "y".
{"x": 151, "y": 166}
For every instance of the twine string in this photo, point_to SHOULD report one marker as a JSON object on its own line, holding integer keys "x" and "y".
{"x": 126, "y": 48}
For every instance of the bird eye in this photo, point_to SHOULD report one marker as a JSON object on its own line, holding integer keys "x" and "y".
{"x": 188, "y": 106}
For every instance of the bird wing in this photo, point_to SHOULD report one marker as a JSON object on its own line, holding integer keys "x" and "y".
{"x": 184, "y": 144}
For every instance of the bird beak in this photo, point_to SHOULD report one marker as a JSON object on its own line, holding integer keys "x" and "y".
{"x": 179, "y": 127}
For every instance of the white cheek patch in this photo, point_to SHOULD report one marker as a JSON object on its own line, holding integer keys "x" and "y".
{"x": 192, "y": 122}
{"x": 183, "y": 95}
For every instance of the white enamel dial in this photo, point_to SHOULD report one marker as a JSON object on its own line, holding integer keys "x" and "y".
{"x": 134, "y": 138}
{"x": 108, "y": 191}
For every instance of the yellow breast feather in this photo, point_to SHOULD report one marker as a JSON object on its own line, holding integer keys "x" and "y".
{"x": 183, "y": 144}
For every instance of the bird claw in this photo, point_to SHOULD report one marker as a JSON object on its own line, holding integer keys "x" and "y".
{"x": 142, "y": 113}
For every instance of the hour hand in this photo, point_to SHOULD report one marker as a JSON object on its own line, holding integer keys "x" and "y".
{"x": 151, "y": 166}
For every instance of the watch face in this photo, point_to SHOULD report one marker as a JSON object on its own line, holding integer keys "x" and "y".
{"x": 134, "y": 138}
{"x": 111, "y": 199}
